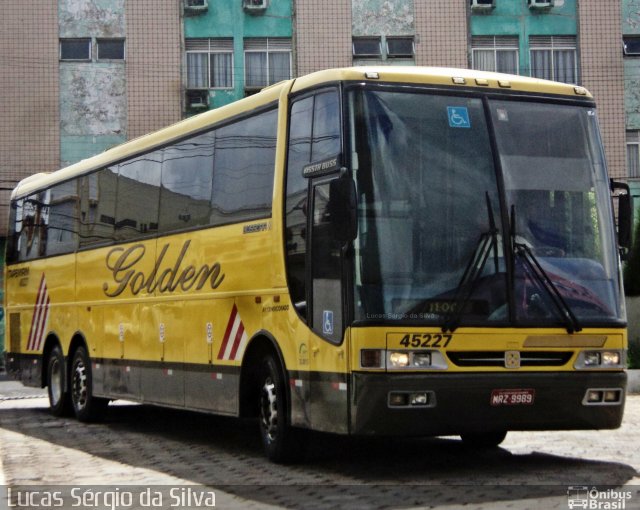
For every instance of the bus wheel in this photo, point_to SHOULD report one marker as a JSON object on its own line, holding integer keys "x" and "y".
{"x": 85, "y": 405}
{"x": 280, "y": 440}
{"x": 59, "y": 402}
{"x": 484, "y": 439}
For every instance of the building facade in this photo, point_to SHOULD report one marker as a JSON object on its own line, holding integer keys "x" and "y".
{"x": 234, "y": 49}
{"x": 631, "y": 51}
{"x": 80, "y": 76}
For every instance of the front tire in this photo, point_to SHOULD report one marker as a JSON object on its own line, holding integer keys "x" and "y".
{"x": 59, "y": 401}
{"x": 86, "y": 407}
{"x": 281, "y": 442}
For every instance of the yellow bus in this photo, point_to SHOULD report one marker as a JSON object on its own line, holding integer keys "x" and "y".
{"x": 393, "y": 251}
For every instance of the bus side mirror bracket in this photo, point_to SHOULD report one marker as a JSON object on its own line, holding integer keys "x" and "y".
{"x": 343, "y": 208}
{"x": 625, "y": 217}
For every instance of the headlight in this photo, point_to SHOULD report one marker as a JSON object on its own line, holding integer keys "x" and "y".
{"x": 592, "y": 359}
{"x": 610, "y": 358}
{"x": 600, "y": 359}
{"x": 402, "y": 359}
{"x": 422, "y": 359}
{"x": 398, "y": 359}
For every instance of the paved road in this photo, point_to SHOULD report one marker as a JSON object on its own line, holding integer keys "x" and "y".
{"x": 170, "y": 450}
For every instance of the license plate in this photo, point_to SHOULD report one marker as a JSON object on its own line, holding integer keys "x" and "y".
{"x": 512, "y": 397}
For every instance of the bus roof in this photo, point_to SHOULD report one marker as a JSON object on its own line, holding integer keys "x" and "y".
{"x": 449, "y": 77}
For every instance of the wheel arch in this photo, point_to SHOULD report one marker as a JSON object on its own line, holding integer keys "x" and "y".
{"x": 261, "y": 344}
{"x": 52, "y": 341}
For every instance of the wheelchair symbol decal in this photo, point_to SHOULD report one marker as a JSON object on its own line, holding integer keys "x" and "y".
{"x": 327, "y": 322}
{"x": 458, "y": 117}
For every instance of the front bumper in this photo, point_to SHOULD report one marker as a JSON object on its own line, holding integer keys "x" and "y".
{"x": 462, "y": 403}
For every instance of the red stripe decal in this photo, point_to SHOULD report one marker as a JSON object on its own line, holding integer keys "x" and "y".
{"x": 43, "y": 322}
{"x": 236, "y": 342}
{"x": 36, "y": 315}
{"x": 227, "y": 333}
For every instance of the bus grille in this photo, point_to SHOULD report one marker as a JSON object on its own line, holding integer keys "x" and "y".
{"x": 497, "y": 358}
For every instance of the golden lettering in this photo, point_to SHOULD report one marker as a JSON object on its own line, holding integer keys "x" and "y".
{"x": 122, "y": 264}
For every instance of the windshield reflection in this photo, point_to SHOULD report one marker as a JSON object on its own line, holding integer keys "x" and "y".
{"x": 432, "y": 246}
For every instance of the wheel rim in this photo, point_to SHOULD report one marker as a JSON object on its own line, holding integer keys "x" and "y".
{"x": 79, "y": 385}
{"x": 55, "y": 381}
{"x": 269, "y": 409}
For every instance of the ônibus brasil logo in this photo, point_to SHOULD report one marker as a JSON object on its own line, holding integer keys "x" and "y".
{"x": 589, "y": 497}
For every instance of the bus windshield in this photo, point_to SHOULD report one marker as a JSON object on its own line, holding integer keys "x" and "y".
{"x": 454, "y": 230}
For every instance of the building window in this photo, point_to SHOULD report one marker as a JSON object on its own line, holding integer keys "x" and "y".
{"x": 266, "y": 61}
{"x": 400, "y": 47}
{"x": 554, "y": 58}
{"x": 367, "y": 47}
{"x": 75, "y": 49}
{"x": 631, "y": 45}
{"x": 209, "y": 63}
{"x": 495, "y": 53}
{"x": 378, "y": 49}
{"x": 633, "y": 153}
{"x": 110, "y": 49}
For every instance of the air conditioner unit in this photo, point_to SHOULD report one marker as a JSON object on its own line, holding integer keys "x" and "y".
{"x": 540, "y": 4}
{"x": 482, "y": 5}
{"x": 197, "y": 99}
{"x": 255, "y": 6}
{"x": 195, "y": 6}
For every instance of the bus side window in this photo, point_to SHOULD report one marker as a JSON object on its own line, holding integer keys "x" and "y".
{"x": 314, "y": 136}
{"x": 138, "y": 196}
{"x": 296, "y": 203}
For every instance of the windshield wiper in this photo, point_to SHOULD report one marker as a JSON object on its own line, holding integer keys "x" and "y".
{"x": 540, "y": 275}
{"x": 488, "y": 242}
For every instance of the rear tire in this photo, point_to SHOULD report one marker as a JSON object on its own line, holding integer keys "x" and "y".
{"x": 59, "y": 401}
{"x": 86, "y": 407}
{"x": 282, "y": 443}
{"x": 484, "y": 439}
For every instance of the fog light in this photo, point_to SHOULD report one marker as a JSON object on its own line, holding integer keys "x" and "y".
{"x": 610, "y": 358}
{"x": 398, "y": 399}
{"x": 371, "y": 358}
{"x": 591, "y": 359}
{"x": 399, "y": 359}
{"x": 419, "y": 399}
{"x": 422, "y": 359}
{"x": 612, "y": 396}
{"x": 594, "y": 396}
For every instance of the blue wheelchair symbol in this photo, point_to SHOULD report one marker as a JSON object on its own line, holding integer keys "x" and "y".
{"x": 327, "y": 322}
{"x": 458, "y": 117}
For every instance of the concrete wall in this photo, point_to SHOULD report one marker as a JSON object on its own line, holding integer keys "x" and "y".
{"x": 322, "y": 35}
{"x": 382, "y": 17}
{"x": 29, "y": 102}
{"x": 154, "y": 56}
{"x": 93, "y": 103}
{"x": 441, "y": 33}
{"x": 602, "y": 73}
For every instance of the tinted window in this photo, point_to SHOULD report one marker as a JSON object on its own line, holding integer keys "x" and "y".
{"x": 62, "y": 221}
{"x": 187, "y": 173}
{"x": 138, "y": 196}
{"x": 98, "y": 207}
{"x": 29, "y": 228}
{"x": 326, "y": 126}
{"x": 314, "y": 135}
{"x": 243, "y": 169}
